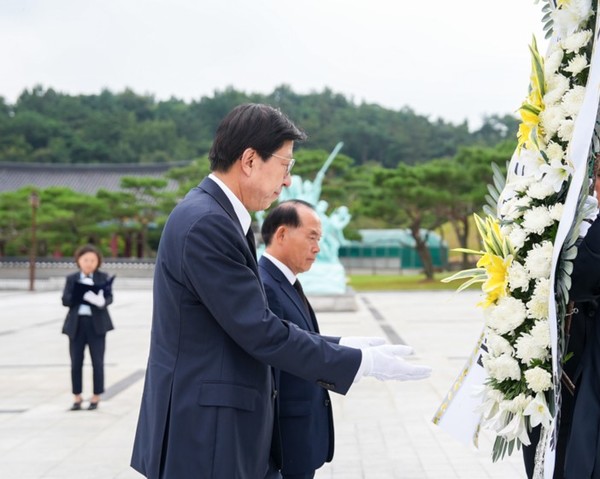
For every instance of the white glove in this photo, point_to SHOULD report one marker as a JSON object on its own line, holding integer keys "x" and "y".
{"x": 590, "y": 209}
{"x": 386, "y": 362}
{"x": 95, "y": 299}
{"x": 361, "y": 342}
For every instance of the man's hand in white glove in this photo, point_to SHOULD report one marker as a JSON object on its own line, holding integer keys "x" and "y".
{"x": 386, "y": 362}
{"x": 95, "y": 299}
{"x": 361, "y": 342}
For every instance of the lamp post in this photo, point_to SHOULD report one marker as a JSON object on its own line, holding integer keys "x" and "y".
{"x": 34, "y": 201}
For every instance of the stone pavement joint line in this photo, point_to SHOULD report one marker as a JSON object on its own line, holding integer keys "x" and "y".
{"x": 390, "y": 332}
{"x": 383, "y": 429}
{"x": 123, "y": 384}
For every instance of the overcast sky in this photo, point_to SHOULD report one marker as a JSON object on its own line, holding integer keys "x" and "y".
{"x": 454, "y": 60}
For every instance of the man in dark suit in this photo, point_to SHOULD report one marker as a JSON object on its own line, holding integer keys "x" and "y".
{"x": 208, "y": 404}
{"x": 291, "y": 233}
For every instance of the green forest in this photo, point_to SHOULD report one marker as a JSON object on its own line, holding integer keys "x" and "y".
{"x": 45, "y": 126}
{"x": 397, "y": 169}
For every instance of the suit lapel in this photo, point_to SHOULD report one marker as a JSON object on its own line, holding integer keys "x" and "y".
{"x": 210, "y": 187}
{"x": 289, "y": 290}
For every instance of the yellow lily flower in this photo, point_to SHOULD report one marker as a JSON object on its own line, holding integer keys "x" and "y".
{"x": 530, "y": 130}
{"x": 496, "y": 286}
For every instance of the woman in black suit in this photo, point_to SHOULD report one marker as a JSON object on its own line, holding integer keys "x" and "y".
{"x": 87, "y": 294}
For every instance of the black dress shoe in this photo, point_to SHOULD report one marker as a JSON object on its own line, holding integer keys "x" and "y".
{"x": 93, "y": 405}
{"x": 76, "y": 406}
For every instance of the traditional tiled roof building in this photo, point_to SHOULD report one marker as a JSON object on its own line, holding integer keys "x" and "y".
{"x": 82, "y": 178}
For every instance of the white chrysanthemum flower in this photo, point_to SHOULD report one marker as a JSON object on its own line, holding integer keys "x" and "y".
{"x": 537, "y": 219}
{"x": 538, "y": 308}
{"x": 538, "y": 379}
{"x": 553, "y": 61}
{"x": 554, "y": 94}
{"x": 565, "y": 130}
{"x": 497, "y": 345}
{"x": 528, "y": 349}
{"x": 551, "y": 99}
{"x": 521, "y": 184}
{"x": 502, "y": 367}
{"x": 518, "y": 278}
{"x": 509, "y": 210}
{"x": 538, "y": 304}
{"x": 539, "y": 260}
{"x": 556, "y": 211}
{"x": 571, "y": 15}
{"x": 524, "y": 202}
{"x": 541, "y": 333}
{"x": 554, "y": 151}
{"x": 577, "y": 64}
{"x": 574, "y": 43}
{"x": 555, "y": 174}
{"x": 508, "y": 314}
{"x": 556, "y": 86}
{"x": 540, "y": 190}
{"x": 573, "y": 100}
{"x": 538, "y": 412}
{"x": 552, "y": 118}
{"x": 517, "y": 237}
{"x": 542, "y": 287}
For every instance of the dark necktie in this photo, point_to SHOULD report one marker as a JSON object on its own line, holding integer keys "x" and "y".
{"x": 251, "y": 241}
{"x": 309, "y": 310}
{"x": 298, "y": 288}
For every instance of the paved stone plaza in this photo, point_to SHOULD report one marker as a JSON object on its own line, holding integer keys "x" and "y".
{"x": 383, "y": 430}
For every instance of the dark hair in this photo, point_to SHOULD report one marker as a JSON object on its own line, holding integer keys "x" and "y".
{"x": 251, "y": 125}
{"x": 284, "y": 214}
{"x": 88, "y": 248}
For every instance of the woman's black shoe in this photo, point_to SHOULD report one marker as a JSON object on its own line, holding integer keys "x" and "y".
{"x": 76, "y": 406}
{"x": 92, "y": 406}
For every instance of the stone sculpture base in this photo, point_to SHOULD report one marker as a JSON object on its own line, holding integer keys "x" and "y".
{"x": 334, "y": 302}
{"x": 325, "y": 286}
{"x": 324, "y": 278}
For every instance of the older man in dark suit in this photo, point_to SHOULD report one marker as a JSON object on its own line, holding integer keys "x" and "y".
{"x": 208, "y": 403}
{"x": 291, "y": 233}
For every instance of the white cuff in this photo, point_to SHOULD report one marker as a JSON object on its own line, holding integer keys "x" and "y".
{"x": 366, "y": 364}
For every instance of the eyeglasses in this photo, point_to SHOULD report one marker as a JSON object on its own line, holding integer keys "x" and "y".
{"x": 289, "y": 166}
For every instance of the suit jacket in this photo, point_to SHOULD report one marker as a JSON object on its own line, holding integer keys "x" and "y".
{"x": 101, "y": 318}
{"x": 208, "y": 401}
{"x": 305, "y": 415}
